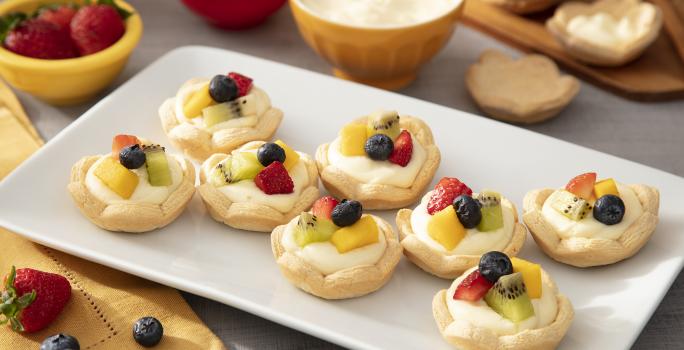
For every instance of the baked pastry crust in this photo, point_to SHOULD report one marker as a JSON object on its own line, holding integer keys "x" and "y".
{"x": 199, "y": 144}
{"x": 254, "y": 216}
{"x": 464, "y": 335}
{"x": 129, "y": 217}
{"x": 348, "y": 283}
{"x": 585, "y": 252}
{"x": 439, "y": 263}
{"x": 381, "y": 196}
{"x": 523, "y": 6}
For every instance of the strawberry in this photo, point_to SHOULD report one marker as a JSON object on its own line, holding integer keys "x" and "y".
{"x": 582, "y": 185}
{"x": 121, "y": 141}
{"x": 447, "y": 189}
{"x": 96, "y": 27}
{"x": 403, "y": 149}
{"x": 324, "y": 206}
{"x": 39, "y": 39}
{"x": 473, "y": 287}
{"x": 243, "y": 83}
{"x": 32, "y": 299}
{"x": 58, "y": 15}
{"x": 274, "y": 179}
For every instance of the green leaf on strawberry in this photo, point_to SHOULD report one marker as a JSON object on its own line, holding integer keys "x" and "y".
{"x": 8, "y": 22}
{"x": 122, "y": 12}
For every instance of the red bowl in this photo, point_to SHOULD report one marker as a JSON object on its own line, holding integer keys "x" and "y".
{"x": 234, "y": 14}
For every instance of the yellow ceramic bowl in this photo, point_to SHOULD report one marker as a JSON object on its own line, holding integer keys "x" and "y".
{"x": 73, "y": 80}
{"x": 386, "y": 57}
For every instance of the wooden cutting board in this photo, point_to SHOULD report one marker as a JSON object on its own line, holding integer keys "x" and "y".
{"x": 657, "y": 75}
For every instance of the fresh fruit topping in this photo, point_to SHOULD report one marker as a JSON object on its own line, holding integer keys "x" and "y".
{"x": 447, "y": 189}
{"x": 60, "y": 341}
{"x": 38, "y": 39}
{"x": 58, "y": 15}
{"x": 604, "y": 187}
{"x": 222, "y": 112}
{"x": 274, "y": 179}
{"x": 445, "y": 228}
{"x": 121, "y": 141}
{"x": 346, "y": 213}
{"x": 492, "y": 214}
{"x": 291, "y": 156}
{"x": 570, "y": 205}
{"x": 403, "y": 149}
{"x": 468, "y": 210}
{"x": 508, "y": 297}
{"x": 270, "y": 152}
{"x": 221, "y": 175}
{"x": 531, "y": 274}
{"x": 158, "y": 171}
{"x": 244, "y": 84}
{"x": 32, "y": 299}
{"x": 353, "y": 140}
{"x": 473, "y": 287}
{"x": 244, "y": 166}
{"x": 495, "y": 264}
{"x": 148, "y": 331}
{"x": 311, "y": 229}
{"x": 132, "y": 157}
{"x": 383, "y": 122}
{"x": 198, "y": 101}
{"x": 116, "y": 177}
{"x": 360, "y": 234}
{"x": 323, "y": 207}
{"x": 96, "y": 27}
{"x": 582, "y": 185}
{"x": 223, "y": 89}
{"x": 379, "y": 147}
{"x": 609, "y": 209}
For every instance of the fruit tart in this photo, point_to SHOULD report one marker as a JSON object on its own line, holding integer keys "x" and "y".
{"x": 335, "y": 251}
{"x": 218, "y": 115}
{"x": 382, "y": 160}
{"x": 503, "y": 303}
{"x": 138, "y": 187}
{"x": 258, "y": 186}
{"x": 591, "y": 223}
{"x": 452, "y": 227}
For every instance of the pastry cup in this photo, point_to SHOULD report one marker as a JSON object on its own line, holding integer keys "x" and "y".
{"x": 253, "y": 216}
{"x": 523, "y": 6}
{"x": 199, "y": 144}
{"x": 464, "y": 335}
{"x": 601, "y": 55}
{"x": 348, "y": 283}
{"x": 381, "y": 196}
{"x": 585, "y": 252}
{"x": 129, "y": 217}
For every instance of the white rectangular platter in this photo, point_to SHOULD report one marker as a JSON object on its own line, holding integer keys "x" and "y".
{"x": 201, "y": 256}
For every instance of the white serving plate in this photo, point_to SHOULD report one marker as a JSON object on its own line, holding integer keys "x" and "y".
{"x": 201, "y": 256}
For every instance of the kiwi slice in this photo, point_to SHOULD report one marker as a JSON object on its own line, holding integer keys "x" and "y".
{"x": 492, "y": 215}
{"x": 158, "y": 172}
{"x": 222, "y": 112}
{"x": 244, "y": 166}
{"x": 385, "y": 122}
{"x": 221, "y": 175}
{"x": 570, "y": 205}
{"x": 508, "y": 297}
{"x": 311, "y": 229}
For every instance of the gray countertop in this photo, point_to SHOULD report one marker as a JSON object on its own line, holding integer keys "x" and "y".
{"x": 648, "y": 133}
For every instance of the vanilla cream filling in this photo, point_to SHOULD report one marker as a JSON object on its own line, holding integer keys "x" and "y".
{"x": 475, "y": 242}
{"x": 379, "y": 12}
{"x": 144, "y": 192}
{"x": 590, "y": 227}
{"x": 324, "y": 256}
{"x": 604, "y": 29}
{"x": 480, "y": 315}
{"x": 367, "y": 170}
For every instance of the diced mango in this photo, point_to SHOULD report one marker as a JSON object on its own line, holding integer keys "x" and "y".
{"x": 115, "y": 176}
{"x": 360, "y": 234}
{"x": 353, "y": 140}
{"x": 197, "y": 102}
{"x": 531, "y": 273}
{"x": 445, "y": 228}
{"x": 605, "y": 187}
{"x": 291, "y": 156}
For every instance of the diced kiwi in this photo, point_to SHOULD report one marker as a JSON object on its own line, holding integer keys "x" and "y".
{"x": 570, "y": 205}
{"x": 244, "y": 166}
{"x": 383, "y": 122}
{"x": 492, "y": 215}
{"x": 508, "y": 297}
{"x": 312, "y": 229}
{"x": 158, "y": 172}
{"x": 221, "y": 174}
{"x": 221, "y": 112}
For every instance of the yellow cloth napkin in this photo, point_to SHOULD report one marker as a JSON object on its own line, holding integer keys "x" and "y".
{"x": 104, "y": 302}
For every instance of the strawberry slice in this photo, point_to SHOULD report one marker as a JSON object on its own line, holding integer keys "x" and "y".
{"x": 120, "y": 141}
{"x": 447, "y": 189}
{"x": 403, "y": 149}
{"x": 582, "y": 185}
{"x": 243, "y": 83}
{"x": 274, "y": 179}
{"x": 324, "y": 206}
{"x": 473, "y": 287}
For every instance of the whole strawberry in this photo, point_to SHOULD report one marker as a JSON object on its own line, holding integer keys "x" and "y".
{"x": 32, "y": 299}
{"x": 39, "y": 39}
{"x": 447, "y": 189}
{"x": 96, "y": 27}
{"x": 58, "y": 15}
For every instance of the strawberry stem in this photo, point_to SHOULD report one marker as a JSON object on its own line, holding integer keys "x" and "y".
{"x": 122, "y": 12}
{"x": 12, "y": 305}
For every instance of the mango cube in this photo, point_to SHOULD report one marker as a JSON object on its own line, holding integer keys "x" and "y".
{"x": 197, "y": 102}
{"x": 291, "y": 156}
{"x": 353, "y": 140}
{"x": 531, "y": 273}
{"x": 360, "y": 234}
{"x": 445, "y": 228}
{"x": 117, "y": 177}
{"x": 605, "y": 187}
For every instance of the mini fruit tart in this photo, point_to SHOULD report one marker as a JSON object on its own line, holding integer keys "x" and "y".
{"x": 503, "y": 303}
{"x": 452, "y": 227}
{"x": 138, "y": 187}
{"x": 258, "y": 186}
{"x": 382, "y": 160}
{"x": 218, "y": 115}
{"x": 335, "y": 251}
{"x": 590, "y": 223}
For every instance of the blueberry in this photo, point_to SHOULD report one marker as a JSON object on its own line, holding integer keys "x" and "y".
{"x": 223, "y": 89}
{"x": 60, "y": 341}
{"x": 609, "y": 209}
{"x": 346, "y": 213}
{"x": 270, "y": 152}
{"x": 148, "y": 331}
{"x": 494, "y": 265}
{"x": 379, "y": 147}
{"x": 132, "y": 157}
{"x": 468, "y": 210}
